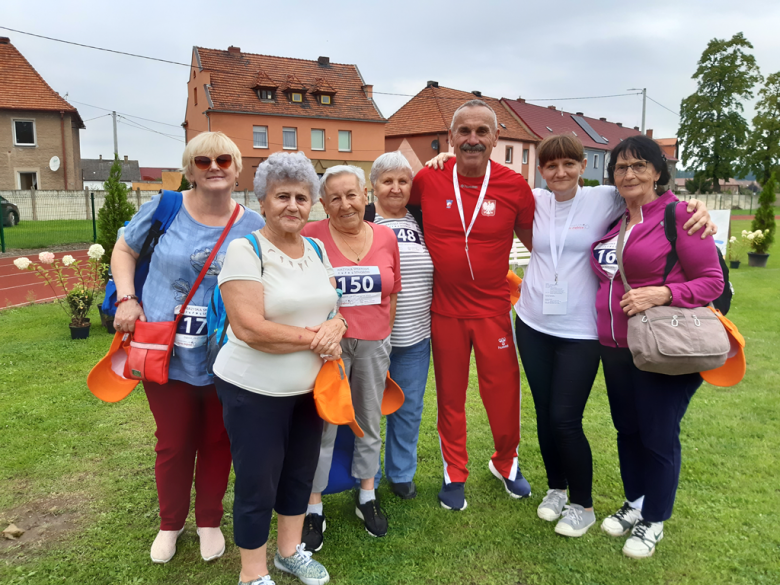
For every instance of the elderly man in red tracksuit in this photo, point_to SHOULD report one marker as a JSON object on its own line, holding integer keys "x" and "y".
{"x": 470, "y": 211}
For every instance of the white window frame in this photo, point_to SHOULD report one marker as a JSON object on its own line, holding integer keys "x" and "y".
{"x": 254, "y": 141}
{"x": 23, "y": 172}
{"x": 313, "y": 130}
{"x": 35, "y": 131}
{"x": 295, "y": 134}
{"x": 508, "y": 155}
{"x": 595, "y": 161}
{"x": 349, "y": 135}
{"x": 525, "y": 156}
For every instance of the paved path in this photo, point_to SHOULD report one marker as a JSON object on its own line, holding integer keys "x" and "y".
{"x": 21, "y": 287}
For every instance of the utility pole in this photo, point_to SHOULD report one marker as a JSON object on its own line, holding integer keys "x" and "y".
{"x": 644, "y": 104}
{"x": 116, "y": 148}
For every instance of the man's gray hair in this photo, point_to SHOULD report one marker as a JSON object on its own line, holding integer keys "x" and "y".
{"x": 284, "y": 167}
{"x": 388, "y": 162}
{"x": 343, "y": 170}
{"x": 474, "y": 104}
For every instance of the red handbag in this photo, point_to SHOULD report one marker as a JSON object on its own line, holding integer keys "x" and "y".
{"x": 151, "y": 344}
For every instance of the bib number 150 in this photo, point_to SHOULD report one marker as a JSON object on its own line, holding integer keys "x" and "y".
{"x": 355, "y": 284}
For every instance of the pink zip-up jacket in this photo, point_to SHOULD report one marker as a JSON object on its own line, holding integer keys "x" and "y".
{"x": 695, "y": 280}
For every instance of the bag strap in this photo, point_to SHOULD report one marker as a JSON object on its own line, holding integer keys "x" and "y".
{"x": 316, "y": 247}
{"x": 167, "y": 209}
{"x": 619, "y": 251}
{"x": 670, "y": 230}
{"x": 207, "y": 265}
{"x": 253, "y": 239}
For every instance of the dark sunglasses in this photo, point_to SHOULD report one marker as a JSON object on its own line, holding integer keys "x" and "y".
{"x": 204, "y": 162}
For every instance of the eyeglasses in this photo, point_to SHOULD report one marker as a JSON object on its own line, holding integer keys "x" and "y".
{"x": 638, "y": 168}
{"x": 204, "y": 162}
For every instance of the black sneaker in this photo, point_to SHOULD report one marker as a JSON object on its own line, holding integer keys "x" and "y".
{"x": 406, "y": 490}
{"x": 372, "y": 516}
{"x": 313, "y": 527}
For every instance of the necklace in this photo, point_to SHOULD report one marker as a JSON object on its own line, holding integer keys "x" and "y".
{"x": 343, "y": 239}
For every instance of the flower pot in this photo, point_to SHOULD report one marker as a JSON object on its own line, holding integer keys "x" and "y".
{"x": 80, "y": 332}
{"x": 733, "y": 263}
{"x": 107, "y": 321}
{"x": 757, "y": 260}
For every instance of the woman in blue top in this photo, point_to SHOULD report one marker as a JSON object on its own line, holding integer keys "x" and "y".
{"x": 186, "y": 410}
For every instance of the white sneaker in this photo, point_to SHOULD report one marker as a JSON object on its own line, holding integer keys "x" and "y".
{"x": 621, "y": 521}
{"x": 552, "y": 505}
{"x": 576, "y": 521}
{"x": 212, "y": 543}
{"x": 644, "y": 537}
{"x": 164, "y": 545}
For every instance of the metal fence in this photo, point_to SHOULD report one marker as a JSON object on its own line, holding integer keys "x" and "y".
{"x": 731, "y": 201}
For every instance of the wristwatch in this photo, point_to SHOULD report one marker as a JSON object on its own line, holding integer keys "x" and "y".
{"x": 346, "y": 325}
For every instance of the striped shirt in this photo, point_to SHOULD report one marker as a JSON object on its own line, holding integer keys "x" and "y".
{"x": 413, "y": 312}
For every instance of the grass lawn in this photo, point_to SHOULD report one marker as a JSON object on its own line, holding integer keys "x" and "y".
{"x": 43, "y": 234}
{"x": 86, "y": 468}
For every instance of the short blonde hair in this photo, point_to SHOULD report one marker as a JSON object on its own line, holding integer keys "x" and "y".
{"x": 209, "y": 144}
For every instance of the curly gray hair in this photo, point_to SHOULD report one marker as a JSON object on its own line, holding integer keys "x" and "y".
{"x": 283, "y": 167}
{"x": 389, "y": 161}
{"x": 337, "y": 170}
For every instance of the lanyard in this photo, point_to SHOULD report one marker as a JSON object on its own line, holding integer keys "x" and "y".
{"x": 557, "y": 253}
{"x": 476, "y": 209}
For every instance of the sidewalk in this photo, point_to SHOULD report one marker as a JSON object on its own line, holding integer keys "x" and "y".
{"x": 22, "y": 287}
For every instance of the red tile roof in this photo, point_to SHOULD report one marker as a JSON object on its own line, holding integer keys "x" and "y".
{"x": 234, "y": 74}
{"x": 154, "y": 173}
{"x": 23, "y": 88}
{"x": 431, "y": 111}
{"x": 547, "y": 122}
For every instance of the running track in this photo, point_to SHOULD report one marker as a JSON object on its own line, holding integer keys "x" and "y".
{"x": 19, "y": 287}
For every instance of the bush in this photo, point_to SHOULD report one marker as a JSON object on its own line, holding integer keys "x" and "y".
{"x": 699, "y": 184}
{"x": 116, "y": 210}
{"x": 185, "y": 184}
{"x": 764, "y": 219}
{"x": 590, "y": 182}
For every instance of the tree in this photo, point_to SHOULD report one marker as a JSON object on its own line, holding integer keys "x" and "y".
{"x": 699, "y": 184}
{"x": 765, "y": 214}
{"x": 116, "y": 210}
{"x": 185, "y": 184}
{"x": 712, "y": 129}
{"x": 762, "y": 149}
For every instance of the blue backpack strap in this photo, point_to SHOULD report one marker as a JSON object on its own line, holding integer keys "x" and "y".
{"x": 316, "y": 247}
{"x": 258, "y": 249}
{"x": 167, "y": 209}
{"x": 216, "y": 297}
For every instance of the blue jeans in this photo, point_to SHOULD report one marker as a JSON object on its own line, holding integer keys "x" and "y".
{"x": 409, "y": 368}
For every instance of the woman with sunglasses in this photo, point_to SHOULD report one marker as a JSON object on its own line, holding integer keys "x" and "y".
{"x": 186, "y": 410}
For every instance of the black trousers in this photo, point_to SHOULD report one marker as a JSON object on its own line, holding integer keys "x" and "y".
{"x": 647, "y": 409}
{"x": 275, "y": 443}
{"x": 560, "y": 373}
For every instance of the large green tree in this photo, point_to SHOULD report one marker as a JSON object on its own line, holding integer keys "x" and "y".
{"x": 116, "y": 210}
{"x": 712, "y": 128}
{"x": 762, "y": 149}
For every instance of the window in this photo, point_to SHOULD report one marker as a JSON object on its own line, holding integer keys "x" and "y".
{"x": 508, "y": 158}
{"x": 595, "y": 161}
{"x": 297, "y": 97}
{"x": 28, "y": 181}
{"x": 318, "y": 139}
{"x": 195, "y": 95}
{"x": 289, "y": 138}
{"x": 525, "y": 156}
{"x": 325, "y": 100}
{"x": 260, "y": 134}
{"x": 265, "y": 94}
{"x": 24, "y": 132}
{"x": 345, "y": 140}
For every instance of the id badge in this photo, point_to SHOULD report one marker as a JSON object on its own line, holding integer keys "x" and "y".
{"x": 556, "y": 296}
{"x": 192, "y": 329}
{"x": 361, "y": 285}
{"x": 409, "y": 240}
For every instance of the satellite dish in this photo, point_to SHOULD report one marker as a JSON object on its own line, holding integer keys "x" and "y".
{"x": 435, "y": 144}
{"x": 54, "y": 163}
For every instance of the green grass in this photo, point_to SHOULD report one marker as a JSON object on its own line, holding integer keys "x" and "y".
{"x": 56, "y": 440}
{"x": 43, "y": 234}
{"x": 751, "y": 212}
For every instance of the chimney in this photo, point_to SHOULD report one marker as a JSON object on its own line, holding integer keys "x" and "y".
{"x": 550, "y": 107}
{"x": 636, "y": 127}
{"x": 521, "y": 100}
{"x": 477, "y": 93}
{"x": 432, "y": 84}
{"x": 369, "y": 89}
{"x": 125, "y": 158}
{"x": 580, "y": 114}
{"x": 5, "y": 41}
{"x": 619, "y": 124}
{"x": 323, "y": 60}
{"x": 649, "y": 133}
{"x": 101, "y": 157}
{"x": 603, "y": 119}
{"x": 234, "y": 50}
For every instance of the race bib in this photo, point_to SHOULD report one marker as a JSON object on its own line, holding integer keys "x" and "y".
{"x": 361, "y": 285}
{"x": 556, "y": 297}
{"x": 192, "y": 329}
{"x": 605, "y": 254}
{"x": 409, "y": 239}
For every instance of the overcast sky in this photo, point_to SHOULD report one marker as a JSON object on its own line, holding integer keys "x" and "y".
{"x": 511, "y": 49}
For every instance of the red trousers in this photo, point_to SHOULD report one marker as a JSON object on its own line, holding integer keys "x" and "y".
{"x": 499, "y": 387}
{"x": 189, "y": 427}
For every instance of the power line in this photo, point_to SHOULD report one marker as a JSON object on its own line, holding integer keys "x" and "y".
{"x": 663, "y": 106}
{"x": 142, "y": 127}
{"x": 124, "y": 113}
{"x": 96, "y": 117}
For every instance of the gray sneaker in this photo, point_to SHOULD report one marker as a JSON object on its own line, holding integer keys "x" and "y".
{"x": 302, "y": 566}
{"x": 621, "y": 521}
{"x": 576, "y": 521}
{"x": 552, "y": 505}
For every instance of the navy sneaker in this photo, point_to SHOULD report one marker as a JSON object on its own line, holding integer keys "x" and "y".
{"x": 517, "y": 488}
{"x": 452, "y": 495}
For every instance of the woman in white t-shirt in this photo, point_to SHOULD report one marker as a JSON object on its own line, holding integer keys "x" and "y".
{"x": 277, "y": 304}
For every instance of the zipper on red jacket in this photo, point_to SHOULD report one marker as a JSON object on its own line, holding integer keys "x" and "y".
{"x": 611, "y": 316}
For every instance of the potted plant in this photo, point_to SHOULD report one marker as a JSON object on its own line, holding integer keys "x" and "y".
{"x": 734, "y": 251}
{"x": 763, "y": 225}
{"x": 74, "y": 286}
{"x": 759, "y": 242}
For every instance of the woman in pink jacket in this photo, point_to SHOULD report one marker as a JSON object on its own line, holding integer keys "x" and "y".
{"x": 647, "y": 407}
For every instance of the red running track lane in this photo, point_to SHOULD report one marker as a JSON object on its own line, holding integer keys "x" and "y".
{"x": 20, "y": 287}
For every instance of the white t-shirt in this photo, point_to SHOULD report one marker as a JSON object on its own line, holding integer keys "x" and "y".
{"x": 596, "y": 209}
{"x": 297, "y": 292}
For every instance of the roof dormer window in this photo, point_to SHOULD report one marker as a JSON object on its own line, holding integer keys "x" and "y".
{"x": 266, "y": 94}
{"x": 326, "y": 100}
{"x": 296, "y": 97}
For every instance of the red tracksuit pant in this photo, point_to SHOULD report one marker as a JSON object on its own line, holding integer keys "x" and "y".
{"x": 189, "y": 427}
{"x": 499, "y": 386}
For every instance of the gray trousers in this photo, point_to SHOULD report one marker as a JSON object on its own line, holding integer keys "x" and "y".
{"x": 366, "y": 364}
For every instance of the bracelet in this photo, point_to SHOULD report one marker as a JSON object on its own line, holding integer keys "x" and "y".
{"x": 127, "y": 298}
{"x": 346, "y": 325}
